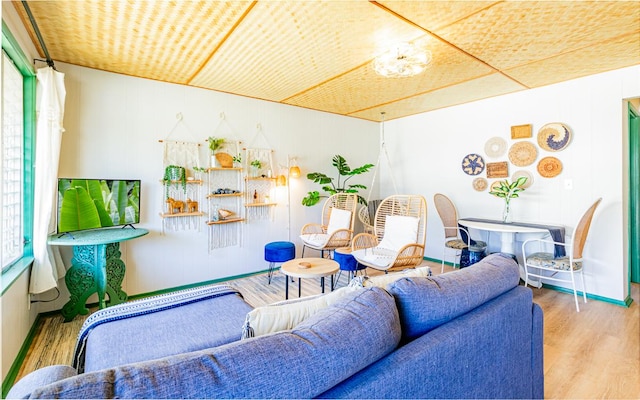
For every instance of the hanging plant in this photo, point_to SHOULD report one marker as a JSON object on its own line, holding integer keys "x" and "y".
{"x": 338, "y": 186}
{"x": 174, "y": 173}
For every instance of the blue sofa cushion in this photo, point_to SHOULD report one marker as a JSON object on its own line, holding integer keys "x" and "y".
{"x": 425, "y": 303}
{"x": 178, "y": 322}
{"x": 319, "y": 353}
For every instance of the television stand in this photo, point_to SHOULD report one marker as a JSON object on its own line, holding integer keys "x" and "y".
{"x": 96, "y": 267}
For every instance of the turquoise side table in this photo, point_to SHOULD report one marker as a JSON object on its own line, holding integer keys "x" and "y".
{"x": 96, "y": 266}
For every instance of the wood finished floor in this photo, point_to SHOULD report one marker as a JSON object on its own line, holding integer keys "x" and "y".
{"x": 587, "y": 355}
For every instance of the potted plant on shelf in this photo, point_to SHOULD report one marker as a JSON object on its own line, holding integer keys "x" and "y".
{"x": 256, "y": 165}
{"x": 343, "y": 168}
{"x": 237, "y": 160}
{"x": 223, "y": 159}
{"x": 198, "y": 171}
{"x": 507, "y": 191}
{"x": 174, "y": 174}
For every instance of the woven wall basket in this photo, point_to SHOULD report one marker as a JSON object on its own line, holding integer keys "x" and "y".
{"x": 224, "y": 159}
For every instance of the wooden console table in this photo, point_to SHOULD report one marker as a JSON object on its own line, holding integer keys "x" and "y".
{"x": 96, "y": 266}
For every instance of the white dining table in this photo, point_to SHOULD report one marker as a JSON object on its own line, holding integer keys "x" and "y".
{"x": 508, "y": 232}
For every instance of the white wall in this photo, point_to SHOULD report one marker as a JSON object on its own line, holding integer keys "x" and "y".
{"x": 427, "y": 150}
{"x": 113, "y": 124}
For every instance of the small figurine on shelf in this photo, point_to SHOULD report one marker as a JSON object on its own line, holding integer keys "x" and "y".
{"x": 255, "y": 196}
{"x": 175, "y": 206}
{"x": 192, "y": 206}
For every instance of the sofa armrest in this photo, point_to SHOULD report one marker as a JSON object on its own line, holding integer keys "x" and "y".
{"x": 38, "y": 378}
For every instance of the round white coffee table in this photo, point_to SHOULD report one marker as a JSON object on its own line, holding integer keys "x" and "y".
{"x": 318, "y": 268}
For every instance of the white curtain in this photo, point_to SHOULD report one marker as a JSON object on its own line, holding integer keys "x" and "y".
{"x": 48, "y": 267}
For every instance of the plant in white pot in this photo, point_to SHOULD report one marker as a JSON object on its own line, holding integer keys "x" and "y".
{"x": 507, "y": 191}
{"x": 215, "y": 145}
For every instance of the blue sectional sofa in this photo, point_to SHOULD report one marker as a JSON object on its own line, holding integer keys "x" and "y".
{"x": 471, "y": 333}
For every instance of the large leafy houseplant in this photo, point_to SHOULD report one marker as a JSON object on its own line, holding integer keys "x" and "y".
{"x": 507, "y": 191}
{"x": 332, "y": 187}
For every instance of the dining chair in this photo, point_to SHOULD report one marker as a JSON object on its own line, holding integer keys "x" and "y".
{"x": 399, "y": 235}
{"x": 336, "y": 227}
{"x": 535, "y": 264}
{"x": 453, "y": 242}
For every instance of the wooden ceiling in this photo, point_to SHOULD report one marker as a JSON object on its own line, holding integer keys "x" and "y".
{"x": 318, "y": 54}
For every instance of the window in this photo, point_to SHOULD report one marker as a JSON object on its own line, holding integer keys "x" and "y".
{"x": 16, "y": 154}
{"x": 12, "y": 160}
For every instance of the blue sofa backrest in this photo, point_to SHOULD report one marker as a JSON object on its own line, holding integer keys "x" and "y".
{"x": 425, "y": 303}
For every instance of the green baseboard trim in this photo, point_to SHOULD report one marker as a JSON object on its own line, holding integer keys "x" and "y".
{"x": 625, "y": 303}
{"x": 9, "y": 380}
{"x": 435, "y": 260}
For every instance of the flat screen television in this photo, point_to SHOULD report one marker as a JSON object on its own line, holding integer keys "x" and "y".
{"x": 97, "y": 203}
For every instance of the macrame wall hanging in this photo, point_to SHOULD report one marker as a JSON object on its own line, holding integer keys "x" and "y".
{"x": 259, "y": 181}
{"x": 224, "y": 235}
{"x": 225, "y": 188}
{"x": 181, "y": 206}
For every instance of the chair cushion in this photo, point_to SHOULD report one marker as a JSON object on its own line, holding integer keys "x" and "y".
{"x": 546, "y": 260}
{"x": 457, "y": 244}
{"x": 425, "y": 303}
{"x": 287, "y": 314}
{"x": 375, "y": 256}
{"x": 399, "y": 231}
{"x": 316, "y": 240}
{"x": 338, "y": 219}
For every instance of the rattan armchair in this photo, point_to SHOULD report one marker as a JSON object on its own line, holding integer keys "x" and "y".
{"x": 336, "y": 228}
{"x": 399, "y": 235}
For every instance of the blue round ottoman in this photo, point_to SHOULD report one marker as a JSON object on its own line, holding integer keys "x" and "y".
{"x": 347, "y": 262}
{"x": 278, "y": 252}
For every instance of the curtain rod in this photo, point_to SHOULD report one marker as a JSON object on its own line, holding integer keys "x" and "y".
{"x": 48, "y": 59}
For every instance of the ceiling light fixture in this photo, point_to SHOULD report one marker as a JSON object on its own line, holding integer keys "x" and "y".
{"x": 403, "y": 60}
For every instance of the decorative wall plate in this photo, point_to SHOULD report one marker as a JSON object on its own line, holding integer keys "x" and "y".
{"x": 522, "y": 154}
{"x": 495, "y": 147}
{"x": 498, "y": 170}
{"x": 473, "y": 164}
{"x": 549, "y": 167}
{"x": 524, "y": 173}
{"x": 554, "y": 136}
{"x": 480, "y": 184}
{"x": 521, "y": 131}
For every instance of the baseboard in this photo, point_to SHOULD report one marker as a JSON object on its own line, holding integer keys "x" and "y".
{"x": 624, "y": 303}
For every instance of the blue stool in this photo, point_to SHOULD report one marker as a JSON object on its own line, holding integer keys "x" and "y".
{"x": 347, "y": 262}
{"x": 278, "y": 252}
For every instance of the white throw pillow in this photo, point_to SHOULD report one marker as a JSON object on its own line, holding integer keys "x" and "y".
{"x": 338, "y": 219}
{"x": 287, "y": 314}
{"x": 399, "y": 231}
{"x": 383, "y": 280}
